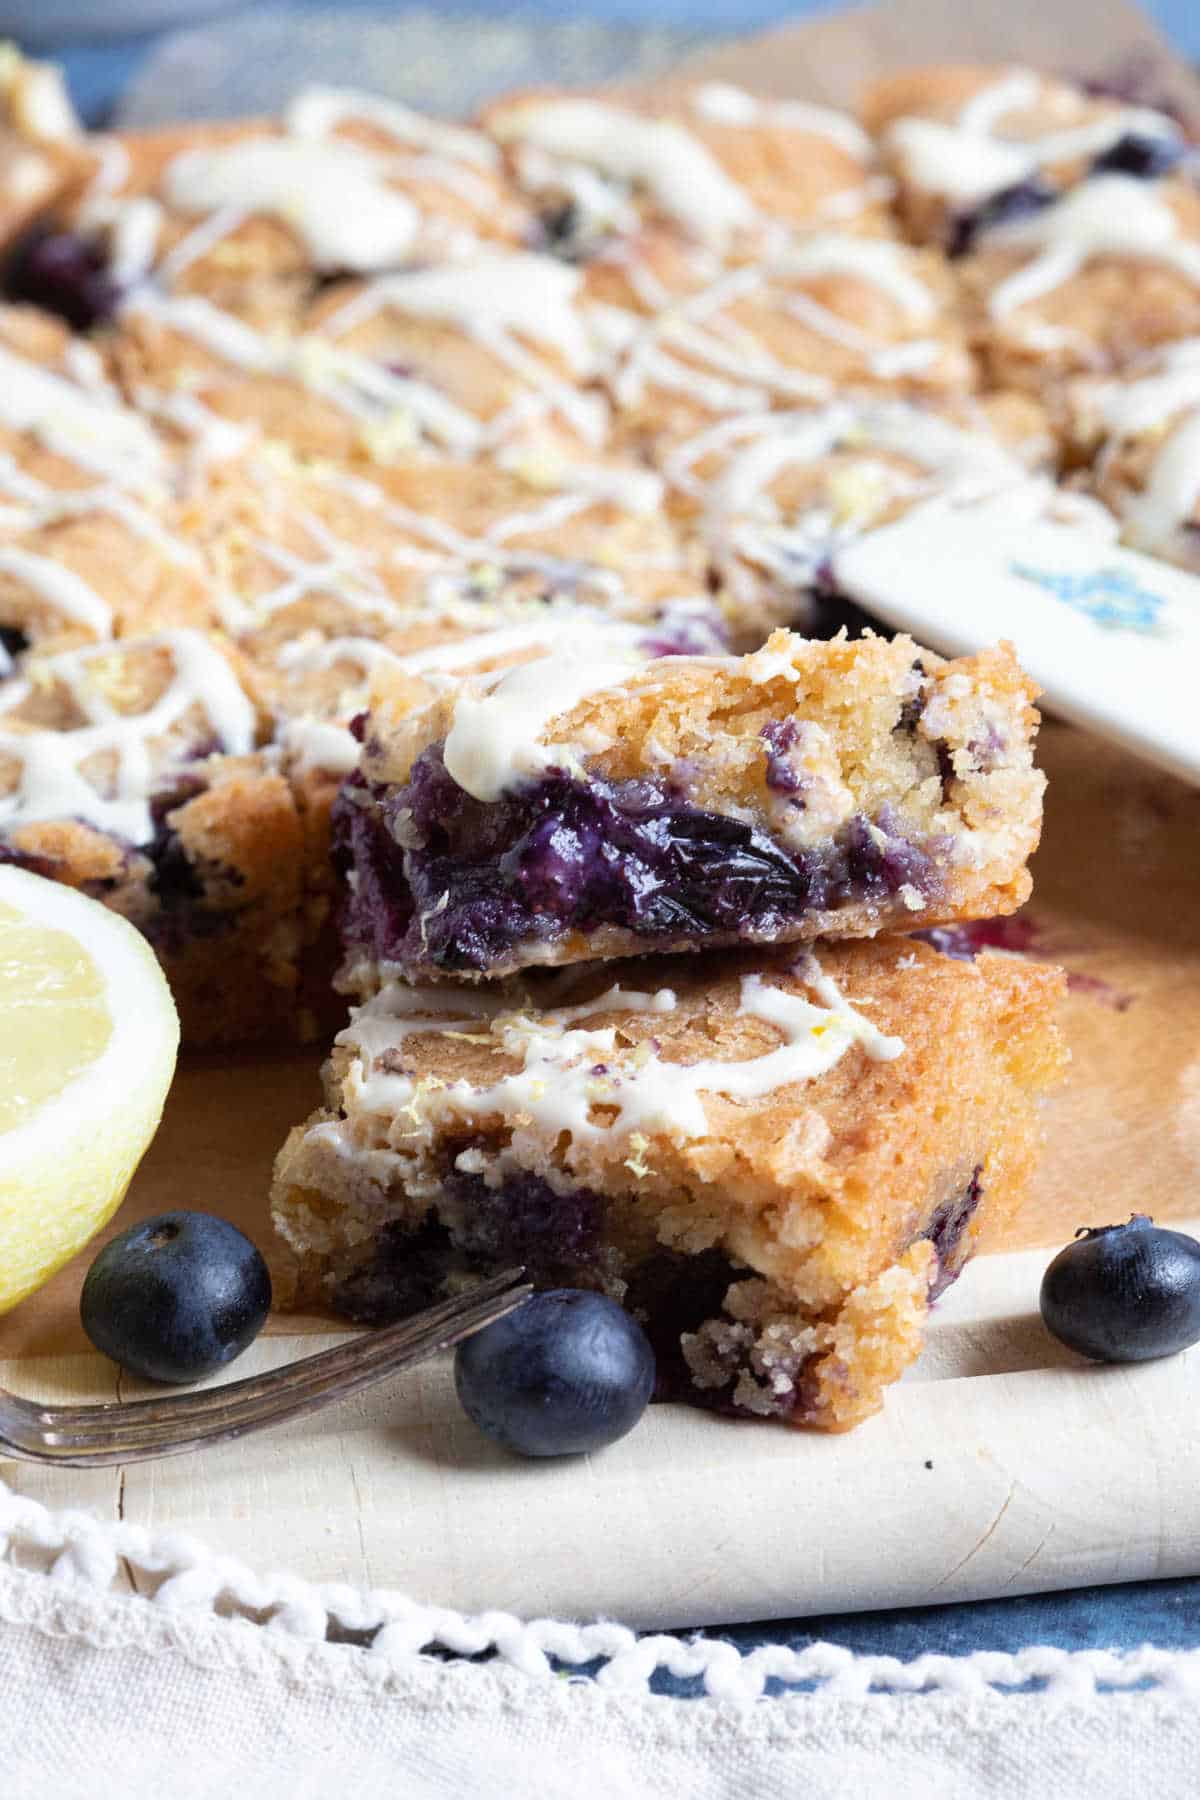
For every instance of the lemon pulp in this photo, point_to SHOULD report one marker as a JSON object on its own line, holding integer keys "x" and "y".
{"x": 88, "y": 1039}
{"x": 54, "y": 1018}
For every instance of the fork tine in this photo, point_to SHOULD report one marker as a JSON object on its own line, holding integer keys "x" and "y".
{"x": 110, "y": 1436}
{"x": 365, "y": 1349}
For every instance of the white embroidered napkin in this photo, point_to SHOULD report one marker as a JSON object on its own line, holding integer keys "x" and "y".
{"x": 223, "y": 1682}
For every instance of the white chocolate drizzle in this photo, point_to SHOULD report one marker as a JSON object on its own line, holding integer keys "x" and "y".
{"x": 684, "y": 179}
{"x": 1152, "y": 517}
{"x": 1111, "y": 215}
{"x": 496, "y": 735}
{"x": 316, "y": 112}
{"x": 51, "y": 782}
{"x": 568, "y": 1075}
{"x": 354, "y": 384}
{"x": 61, "y": 589}
{"x": 491, "y": 296}
{"x": 964, "y": 162}
{"x": 333, "y": 195}
{"x": 876, "y": 261}
{"x": 724, "y": 104}
{"x": 95, "y": 433}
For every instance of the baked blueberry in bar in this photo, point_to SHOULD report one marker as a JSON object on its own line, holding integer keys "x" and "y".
{"x": 774, "y": 1159}
{"x": 317, "y": 683}
{"x": 130, "y": 771}
{"x": 490, "y": 354}
{"x": 772, "y": 494}
{"x": 1141, "y": 433}
{"x": 583, "y": 806}
{"x": 255, "y": 215}
{"x": 972, "y": 147}
{"x": 1075, "y": 219}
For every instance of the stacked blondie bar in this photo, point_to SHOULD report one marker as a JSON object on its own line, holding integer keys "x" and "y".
{"x": 414, "y": 586}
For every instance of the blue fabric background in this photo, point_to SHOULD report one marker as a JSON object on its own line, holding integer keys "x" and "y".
{"x": 1166, "y": 1613}
{"x": 97, "y": 71}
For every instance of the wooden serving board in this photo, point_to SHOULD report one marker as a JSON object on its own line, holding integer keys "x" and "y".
{"x": 1002, "y": 1464}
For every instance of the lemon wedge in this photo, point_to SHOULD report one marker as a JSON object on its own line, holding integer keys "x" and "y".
{"x": 88, "y": 1039}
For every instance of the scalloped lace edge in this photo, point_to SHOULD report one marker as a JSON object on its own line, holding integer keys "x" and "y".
{"x": 186, "y": 1580}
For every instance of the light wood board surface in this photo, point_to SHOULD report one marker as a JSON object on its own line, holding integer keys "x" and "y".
{"x": 1002, "y": 1465}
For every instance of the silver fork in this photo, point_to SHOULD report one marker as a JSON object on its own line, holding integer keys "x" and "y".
{"x": 89, "y": 1437}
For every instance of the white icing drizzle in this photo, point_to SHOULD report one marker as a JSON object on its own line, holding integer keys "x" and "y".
{"x": 354, "y": 384}
{"x": 317, "y": 111}
{"x": 95, "y": 433}
{"x": 672, "y": 165}
{"x": 600, "y": 207}
{"x": 1110, "y": 215}
{"x": 331, "y": 194}
{"x": 490, "y": 296}
{"x": 634, "y": 490}
{"x": 1128, "y": 408}
{"x": 212, "y": 439}
{"x": 1015, "y": 91}
{"x": 495, "y": 739}
{"x": 703, "y": 328}
{"x": 1171, "y": 492}
{"x": 319, "y": 745}
{"x": 325, "y": 744}
{"x": 51, "y": 783}
{"x": 964, "y": 162}
{"x": 132, "y": 229}
{"x": 957, "y": 165}
{"x": 197, "y": 243}
{"x": 61, "y": 589}
{"x": 876, "y": 261}
{"x": 557, "y": 1090}
{"x": 727, "y": 105}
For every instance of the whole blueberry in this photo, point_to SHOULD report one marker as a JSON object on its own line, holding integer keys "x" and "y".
{"x": 567, "y": 1372}
{"x": 1125, "y": 1293}
{"x": 176, "y": 1297}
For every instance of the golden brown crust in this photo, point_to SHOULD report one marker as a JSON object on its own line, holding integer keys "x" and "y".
{"x": 821, "y": 1191}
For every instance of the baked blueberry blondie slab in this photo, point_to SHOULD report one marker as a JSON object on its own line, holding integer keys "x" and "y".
{"x": 132, "y": 772}
{"x": 709, "y": 163}
{"x": 586, "y": 806}
{"x": 257, "y": 214}
{"x": 771, "y": 495}
{"x": 773, "y": 1159}
{"x": 1074, "y": 221}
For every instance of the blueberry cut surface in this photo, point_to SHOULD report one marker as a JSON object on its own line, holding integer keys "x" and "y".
{"x": 1125, "y": 1293}
{"x": 475, "y": 881}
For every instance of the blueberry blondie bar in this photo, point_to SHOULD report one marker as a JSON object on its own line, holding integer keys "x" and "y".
{"x": 131, "y": 771}
{"x": 1074, "y": 220}
{"x": 581, "y": 807}
{"x": 774, "y": 1160}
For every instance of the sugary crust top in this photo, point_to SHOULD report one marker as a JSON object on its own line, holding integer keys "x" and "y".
{"x": 808, "y": 1181}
